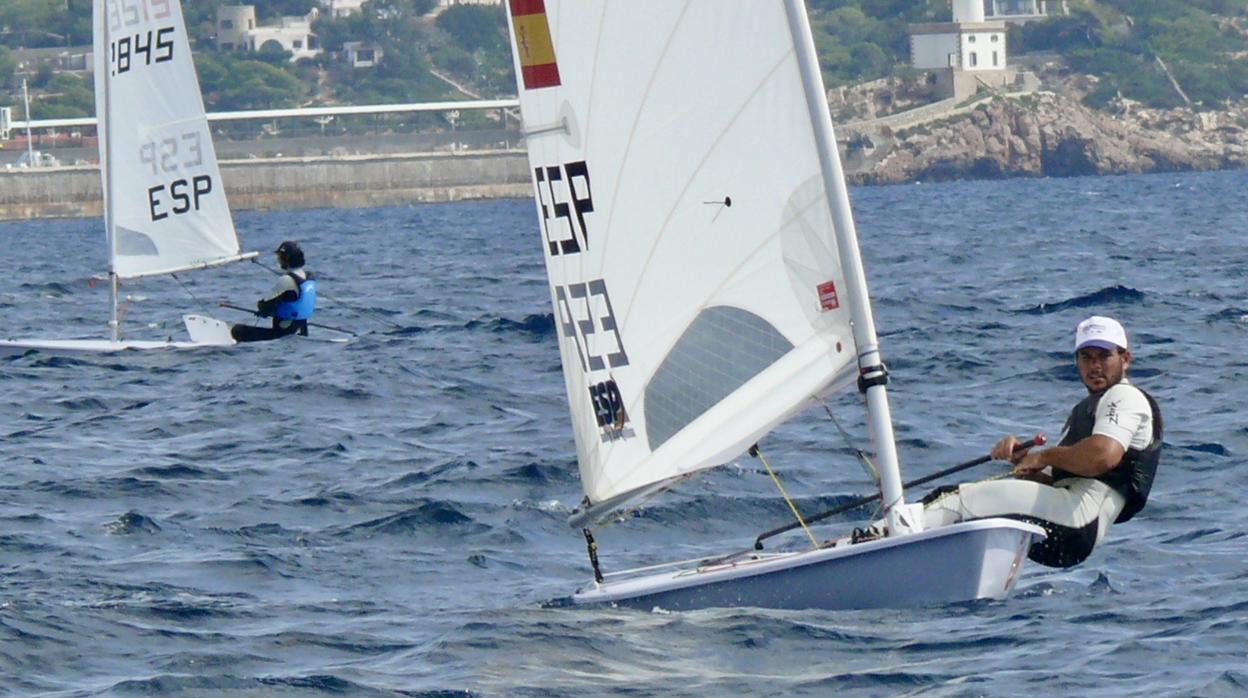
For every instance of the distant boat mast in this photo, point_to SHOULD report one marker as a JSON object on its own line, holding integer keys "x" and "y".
{"x": 30, "y": 142}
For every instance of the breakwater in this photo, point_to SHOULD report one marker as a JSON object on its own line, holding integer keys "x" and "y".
{"x": 352, "y": 181}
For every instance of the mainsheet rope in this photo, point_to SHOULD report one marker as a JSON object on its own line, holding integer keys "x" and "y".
{"x": 189, "y": 292}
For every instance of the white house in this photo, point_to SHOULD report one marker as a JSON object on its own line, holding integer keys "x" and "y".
{"x": 234, "y": 25}
{"x": 361, "y": 54}
{"x": 237, "y": 31}
{"x": 292, "y": 34}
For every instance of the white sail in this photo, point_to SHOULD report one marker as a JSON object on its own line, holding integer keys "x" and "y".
{"x": 164, "y": 200}
{"x": 689, "y": 244}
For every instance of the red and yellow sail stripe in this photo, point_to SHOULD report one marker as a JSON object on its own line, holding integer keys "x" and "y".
{"x": 533, "y": 44}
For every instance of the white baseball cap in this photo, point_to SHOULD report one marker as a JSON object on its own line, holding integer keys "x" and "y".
{"x": 1103, "y": 332}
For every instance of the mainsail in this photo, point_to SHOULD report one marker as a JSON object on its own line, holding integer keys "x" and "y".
{"x": 689, "y": 243}
{"x": 165, "y": 205}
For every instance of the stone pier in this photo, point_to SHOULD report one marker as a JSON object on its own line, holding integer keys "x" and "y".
{"x": 292, "y": 183}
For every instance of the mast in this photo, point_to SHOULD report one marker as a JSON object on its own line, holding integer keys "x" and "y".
{"x": 103, "y": 119}
{"x": 872, "y": 375}
{"x": 30, "y": 141}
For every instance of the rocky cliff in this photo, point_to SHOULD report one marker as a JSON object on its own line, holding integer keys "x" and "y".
{"x": 1047, "y": 134}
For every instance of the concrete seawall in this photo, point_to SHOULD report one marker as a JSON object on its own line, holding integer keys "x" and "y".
{"x": 292, "y": 183}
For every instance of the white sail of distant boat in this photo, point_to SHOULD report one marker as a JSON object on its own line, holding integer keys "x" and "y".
{"x": 165, "y": 207}
{"x": 707, "y": 285}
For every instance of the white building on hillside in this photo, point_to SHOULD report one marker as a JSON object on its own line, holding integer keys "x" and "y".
{"x": 237, "y": 31}
{"x": 967, "y": 52}
{"x": 234, "y": 25}
{"x": 967, "y": 43}
{"x": 361, "y": 54}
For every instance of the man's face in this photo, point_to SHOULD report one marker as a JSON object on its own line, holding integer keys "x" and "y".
{"x": 1100, "y": 369}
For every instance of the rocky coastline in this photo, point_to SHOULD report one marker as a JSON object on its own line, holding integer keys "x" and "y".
{"x": 1047, "y": 134}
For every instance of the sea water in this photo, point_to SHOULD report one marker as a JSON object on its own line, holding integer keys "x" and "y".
{"x": 387, "y": 517}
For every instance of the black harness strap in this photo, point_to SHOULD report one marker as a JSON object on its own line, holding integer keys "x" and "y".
{"x": 298, "y": 284}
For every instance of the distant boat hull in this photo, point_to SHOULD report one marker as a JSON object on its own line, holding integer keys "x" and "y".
{"x": 961, "y": 562}
{"x": 204, "y": 332}
{"x": 63, "y": 347}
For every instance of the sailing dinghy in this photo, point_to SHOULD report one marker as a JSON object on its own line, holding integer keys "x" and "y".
{"x": 165, "y": 209}
{"x": 707, "y": 286}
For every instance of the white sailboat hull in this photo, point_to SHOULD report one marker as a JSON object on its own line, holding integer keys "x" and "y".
{"x": 62, "y": 347}
{"x": 204, "y": 332}
{"x": 961, "y": 562}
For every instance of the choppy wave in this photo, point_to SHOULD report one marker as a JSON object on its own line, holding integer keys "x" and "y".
{"x": 1106, "y": 298}
{"x": 389, "y": 517}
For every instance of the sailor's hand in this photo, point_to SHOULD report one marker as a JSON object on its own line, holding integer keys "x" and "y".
{"x": 1028, "y": 465}
{"x": 1004, "y": 450}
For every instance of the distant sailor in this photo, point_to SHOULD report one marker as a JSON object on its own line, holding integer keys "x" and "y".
{"x": 1100, "y": 473}
{"x": 290, "y": 303}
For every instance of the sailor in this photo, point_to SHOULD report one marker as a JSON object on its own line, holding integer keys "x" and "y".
{"x": 1100, "y": 473}
{"x": 290, "y": 303}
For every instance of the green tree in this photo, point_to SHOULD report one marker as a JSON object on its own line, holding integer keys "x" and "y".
{"x": 78, "y": 23}
{"x": 1191, "y": 38}
{"x": 455, "y": 60}
{"x": 273, "y": 54}
{"x": 32, "y": 23}
{"x": 472, "y": 44}
{"x": 402, "y": 76}
{"x": 1120, "y": 41}
{"x": 231, "y": 82}
{"x": 1080, "y": 29}
{"x": 273, "y": 9}
{"x": 861, "y": 40}
{"x": 333, "y": 32}
{"x": 475, "y": 27}
{"x": 8, "y": 65}
{"x": 42, "y": 77}
{"x": 66, "y": 96}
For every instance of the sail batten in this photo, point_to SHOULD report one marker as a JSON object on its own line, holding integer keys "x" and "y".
{"x": 736, "y": 422}
{"x": 694, "y": 271}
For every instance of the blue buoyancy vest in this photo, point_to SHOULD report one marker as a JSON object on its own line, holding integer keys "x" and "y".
{"x": 1133, "y": 476}
{"x": 301, "y": 308}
